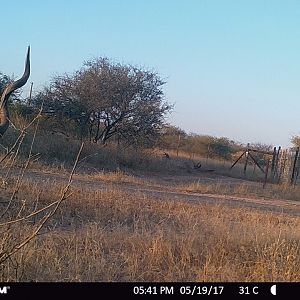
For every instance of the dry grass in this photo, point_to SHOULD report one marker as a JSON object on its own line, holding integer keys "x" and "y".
{"x": 59, "y": 152}
{"x": 118, "y": 176}
{"x": 220, "y": 166}
{"x": 271, "y": 191}
{"x": 111, "y": 235}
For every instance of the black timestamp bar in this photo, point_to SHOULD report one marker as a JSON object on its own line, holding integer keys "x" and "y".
{"x": 135, "y": 290}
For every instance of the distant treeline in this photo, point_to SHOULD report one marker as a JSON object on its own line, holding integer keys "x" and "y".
{"x": 176, "y": 139}
{"x": 106, "y": 102}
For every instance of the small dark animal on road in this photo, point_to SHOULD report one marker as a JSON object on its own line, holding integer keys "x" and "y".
{"x": 197, "y": 165}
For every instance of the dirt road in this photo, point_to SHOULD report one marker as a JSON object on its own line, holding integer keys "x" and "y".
{"x": 165, "y": 187}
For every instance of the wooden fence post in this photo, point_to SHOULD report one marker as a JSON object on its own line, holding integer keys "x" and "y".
{"x": 266, "y": 173}
{"x": 277, "y": 174}
{"x": 246, "y": 160}
{"x": 30, "y": 94}
{"x": 273, "y": 163}
{"x": 294, "y": 171}
{"x": 178, "y": 144}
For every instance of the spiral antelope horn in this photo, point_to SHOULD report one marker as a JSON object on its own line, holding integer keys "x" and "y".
{"x": 4, "y": 113}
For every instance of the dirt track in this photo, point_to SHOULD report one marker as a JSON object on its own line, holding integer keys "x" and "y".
{"x": 166, "y": 188}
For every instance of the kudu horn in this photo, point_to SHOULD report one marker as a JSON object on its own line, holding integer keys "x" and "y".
{"x": 4, "y": 113}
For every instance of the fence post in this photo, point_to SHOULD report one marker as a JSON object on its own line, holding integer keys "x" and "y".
{"x": 178, "y": 144}
{"x": 278, "y": 159}
{"x": 30, "y": 94}
{"x": 266, "y": 173}
{"x": 273, "y": 163}
{"x": 247, "y": 155}
{"x": 294, "y": 166}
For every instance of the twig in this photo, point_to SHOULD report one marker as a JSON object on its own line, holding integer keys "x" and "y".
{"x": 23, "y": 132}
{"x": 19, "y": 142}
{"x": 4, "y": 256}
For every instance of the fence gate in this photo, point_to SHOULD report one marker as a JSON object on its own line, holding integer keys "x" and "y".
{"x": 282, "y": 165}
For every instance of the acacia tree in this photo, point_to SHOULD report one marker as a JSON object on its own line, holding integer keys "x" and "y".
{"x": 295, "y": 140}
{"x": 105, "y": 99}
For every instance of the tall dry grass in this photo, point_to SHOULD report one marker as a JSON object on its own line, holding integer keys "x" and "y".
{"x": 112, "y": 235}
{"x": 220, "y": 166}
{"x": 246, "y": 189}
{"x": 58, "y": 151}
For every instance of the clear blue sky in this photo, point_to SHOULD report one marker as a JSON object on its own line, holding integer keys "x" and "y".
{"x": 232, "y": 67}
